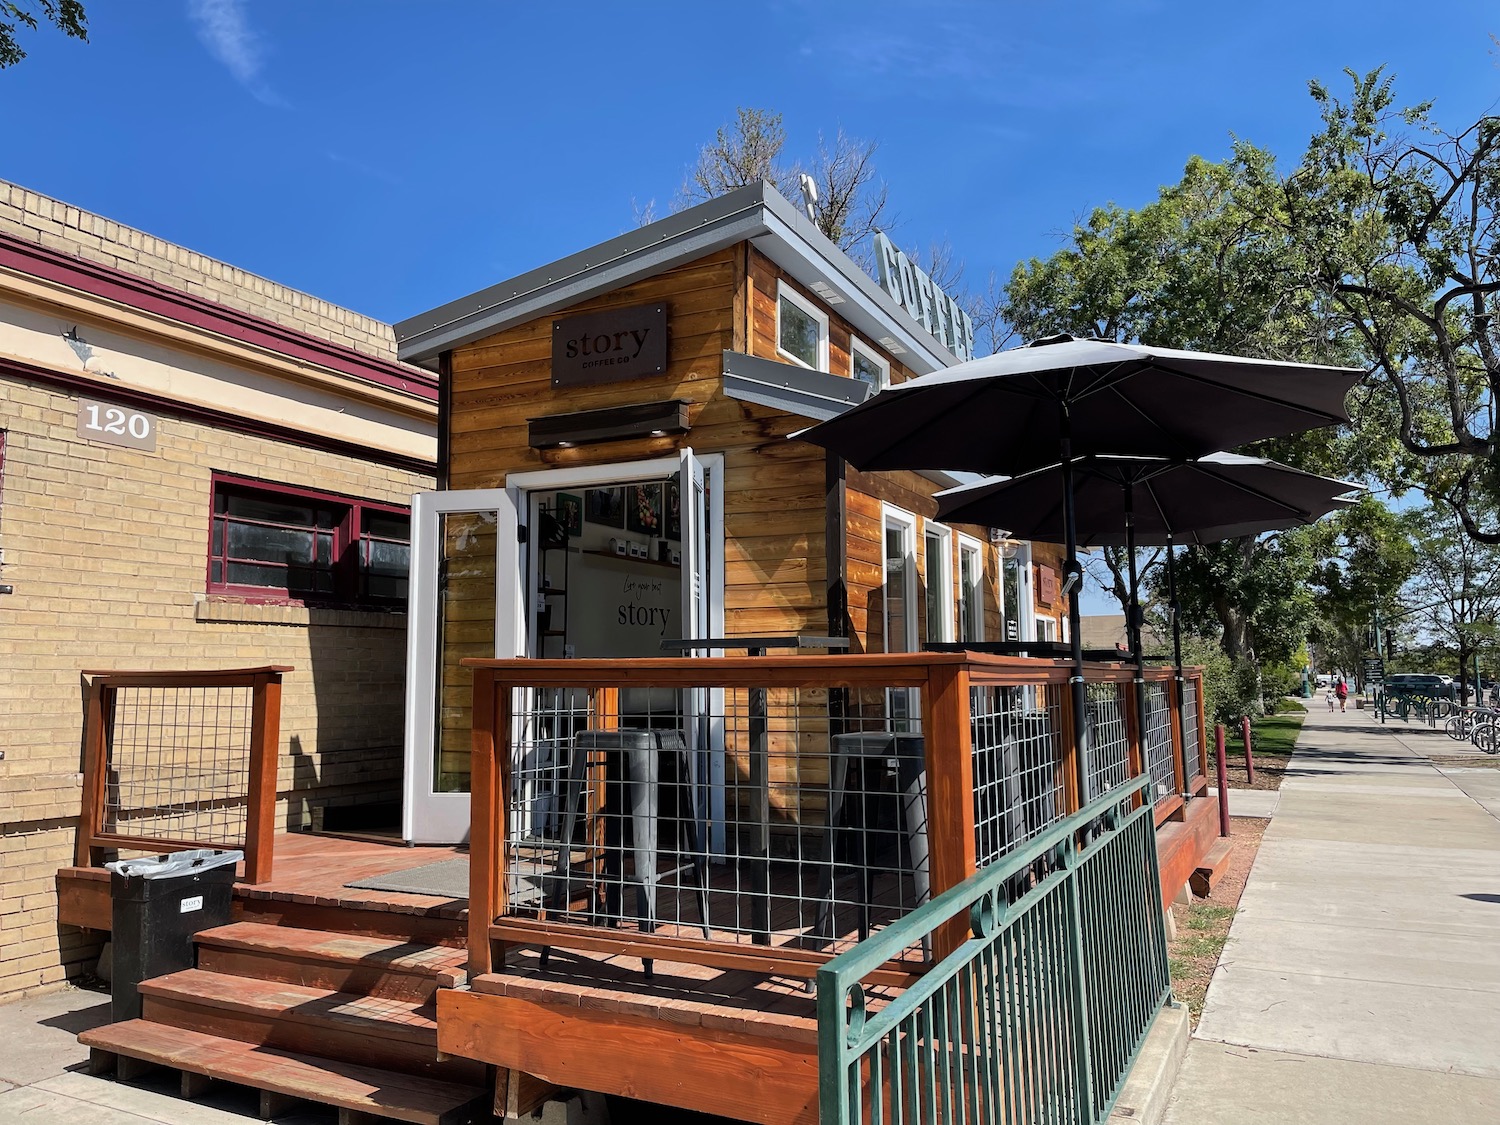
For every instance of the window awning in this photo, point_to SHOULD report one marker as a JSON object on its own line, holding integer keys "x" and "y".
{"x": 789, "y": 388}
{"x": 814, "y": 395}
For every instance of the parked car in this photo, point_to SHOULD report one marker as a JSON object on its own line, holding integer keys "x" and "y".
{"x": 1419, "y": 683}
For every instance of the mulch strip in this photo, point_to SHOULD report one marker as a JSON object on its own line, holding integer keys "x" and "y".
{"x": 1203, "y": 925}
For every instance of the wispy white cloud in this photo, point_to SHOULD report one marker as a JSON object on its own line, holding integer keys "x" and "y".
{"x": 369, "y": 170}
{"x": 224, "y": 30}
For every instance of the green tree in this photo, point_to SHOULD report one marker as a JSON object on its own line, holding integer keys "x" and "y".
{"x": 1454, "y": 590}
{"x": 66, "y": 15}
{"x": 1254, "y": 594}
{"x": 1197, "y": 269}
{"x": 1365, "y": 557}
{"x": 1394, "y": 218}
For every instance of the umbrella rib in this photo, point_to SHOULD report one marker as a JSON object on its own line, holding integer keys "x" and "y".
{"x": 897, "y": 401}
{"x": 1167, "y": 435}
{"x": 1284, "y": 505}
{"x": 1166, "y": 521}
{"x": 1259, "y": 396}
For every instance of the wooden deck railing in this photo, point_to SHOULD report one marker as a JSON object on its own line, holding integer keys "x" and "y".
{"x": 769, "y": 779}
{"x": 180, "y": 760}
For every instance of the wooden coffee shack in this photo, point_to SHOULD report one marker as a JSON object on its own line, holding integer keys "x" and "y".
{"x": 579, "y": 397}
{"x": 755, "y": 820}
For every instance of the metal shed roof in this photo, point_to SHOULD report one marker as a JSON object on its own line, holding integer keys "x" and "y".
{"x": 758, "y": 214}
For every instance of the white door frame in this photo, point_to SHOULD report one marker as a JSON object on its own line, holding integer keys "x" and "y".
{"x": 616, "y": 472}
{"x": 431, "y": 818}
{"x": 428, "y": 817}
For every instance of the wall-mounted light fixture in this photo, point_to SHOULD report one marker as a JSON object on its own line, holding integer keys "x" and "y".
{"x": 615, "y": 423}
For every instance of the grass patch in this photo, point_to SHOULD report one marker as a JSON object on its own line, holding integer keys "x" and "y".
{"x": 1202, "y": 930}
{"x": 1276, "y": 734}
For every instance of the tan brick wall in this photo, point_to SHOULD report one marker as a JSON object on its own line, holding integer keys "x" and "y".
{"x": 105, "y": 548}
{"x": 60, "y": 226}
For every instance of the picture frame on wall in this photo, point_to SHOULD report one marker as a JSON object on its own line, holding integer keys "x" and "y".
{"x": 604, "y": 506}
{"x": 570, "y": 513}
{"x": 673, "y": 507}
{"x": 643, "y": 512}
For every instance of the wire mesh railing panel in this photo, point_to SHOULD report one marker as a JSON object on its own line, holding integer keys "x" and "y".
{"x": 1124, "y": 951}
{"x": 1018, "y": 779}
{"x": 1108, "y": 761}
{"x": 1156, "y": 739}
{"x": 750, "y": 815}
{"x": 1192, "y": 736}
{"x": 177, "y": 765}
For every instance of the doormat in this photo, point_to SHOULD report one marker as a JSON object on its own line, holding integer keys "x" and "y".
{"x": 448, "y": 879}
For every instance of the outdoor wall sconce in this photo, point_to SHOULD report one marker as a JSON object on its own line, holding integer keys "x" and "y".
{"x": 615, "y": 423}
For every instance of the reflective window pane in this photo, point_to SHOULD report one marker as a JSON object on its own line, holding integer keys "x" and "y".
{"x": 866, "y": 370}
{"x": 799, "y": 333}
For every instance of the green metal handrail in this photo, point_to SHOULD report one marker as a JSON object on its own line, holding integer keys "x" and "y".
{"x": 1038, "y": 1015}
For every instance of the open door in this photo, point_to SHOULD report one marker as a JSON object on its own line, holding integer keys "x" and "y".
{"x": 703, "y": 708}
{"x": 694, "y": 498}
{"x": 466, "y": 600}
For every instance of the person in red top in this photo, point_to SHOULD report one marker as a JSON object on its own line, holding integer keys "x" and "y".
{"x": 1342, "y": 691}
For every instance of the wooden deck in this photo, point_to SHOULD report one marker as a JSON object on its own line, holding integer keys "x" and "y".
{"x": 309, "y": 890}
{"x": 271, "y": 1000}
{"x": 731, "y": 1042}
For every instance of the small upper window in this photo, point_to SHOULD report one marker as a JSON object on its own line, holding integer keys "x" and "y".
{"x": 801, "y": 329}
{"x": 868, "y": 367}
{"x": 297, "y": 544}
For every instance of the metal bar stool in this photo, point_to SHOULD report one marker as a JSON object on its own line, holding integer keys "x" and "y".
{"x": 632, "y": 789}
{"x": 858, "y": 751}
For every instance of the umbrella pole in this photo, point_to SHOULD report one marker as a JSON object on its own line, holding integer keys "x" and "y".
{"x": 1133, "y": 625}
{"x": 1172, "y": 609}
{"x": 1074, "y": 587}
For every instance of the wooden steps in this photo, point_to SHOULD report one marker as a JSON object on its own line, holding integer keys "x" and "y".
{"x": 348, "y": 1020}
{"x": 1211, "y": 867}
{"x": 352, "y": 1088}
{"x": 390, "y": 1033}
{"x": 372, "y": 966}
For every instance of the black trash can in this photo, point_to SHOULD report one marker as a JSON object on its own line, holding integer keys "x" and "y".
{"x": 157, "y": 905}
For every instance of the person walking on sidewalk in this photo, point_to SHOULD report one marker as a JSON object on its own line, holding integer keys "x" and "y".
{"x": 1328, "y": 695}
{"x": 1342, "y": 691}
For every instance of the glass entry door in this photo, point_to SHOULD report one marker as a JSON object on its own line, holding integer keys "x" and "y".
{"x": 465, "y": 601}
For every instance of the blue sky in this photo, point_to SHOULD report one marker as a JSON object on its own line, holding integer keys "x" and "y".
{"x": 390, "y": 156}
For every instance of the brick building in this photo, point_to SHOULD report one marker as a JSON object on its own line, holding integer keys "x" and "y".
{"x": 166, "y": 420}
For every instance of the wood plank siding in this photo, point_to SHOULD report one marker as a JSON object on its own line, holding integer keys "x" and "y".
{"x": 776, "y": 493}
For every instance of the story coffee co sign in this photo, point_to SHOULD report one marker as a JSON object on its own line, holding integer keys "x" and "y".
{"x": 610, "y": 346}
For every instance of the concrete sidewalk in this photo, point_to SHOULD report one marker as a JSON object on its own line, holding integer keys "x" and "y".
{"x": 1361, "y": 982}
{"x": 1251, "y": 802}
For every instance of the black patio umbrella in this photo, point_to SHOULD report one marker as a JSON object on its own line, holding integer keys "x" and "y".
{"x": 1011, "y": 412}
{"x": 1038, "y": 405}
{"x": 1151, "y": 501}
{"x": 1200, "y": 500}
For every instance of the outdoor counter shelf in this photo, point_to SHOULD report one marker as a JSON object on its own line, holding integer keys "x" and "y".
{"x": 930, "y": 766}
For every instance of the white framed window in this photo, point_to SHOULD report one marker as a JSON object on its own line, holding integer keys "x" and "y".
{"x": 899, "y": 581}
{"x": 1046, "y": 629}
{"x": 801, "y": 329}
{"x": 898, "y": 610}
{"x": 867, "y": 365}
{"x": 1015, "y": 589}
{"x": 970, "y": 589}
{"x": 937, "y": 551}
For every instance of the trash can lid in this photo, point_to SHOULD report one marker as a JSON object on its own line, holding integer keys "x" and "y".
{"x": 175, "y": 864}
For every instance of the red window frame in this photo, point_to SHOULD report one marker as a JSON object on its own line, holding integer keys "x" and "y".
{"x": 348, "y": 549}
